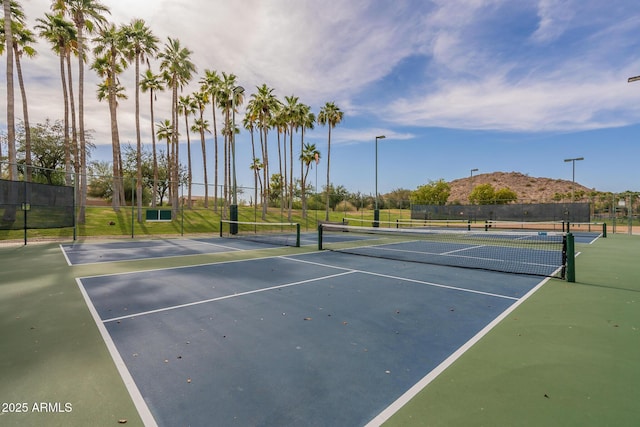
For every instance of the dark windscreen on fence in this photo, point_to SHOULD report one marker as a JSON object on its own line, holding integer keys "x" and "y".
{"x": 572, "y": 212}
{"x": 32, "y": 205}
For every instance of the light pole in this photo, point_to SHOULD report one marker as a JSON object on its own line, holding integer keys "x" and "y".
{"x": 376, "y": 211}
{"x": 630, "y": 80}
{"x": 573, "y": 179}
{"x": 472, "y": 171}
{"x": 233, "y": 209}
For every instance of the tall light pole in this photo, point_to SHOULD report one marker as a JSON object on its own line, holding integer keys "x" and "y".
{"x": 376, "y": 211}
{"x": 630, "y": 80}
{"x": 233, "y": 209}
{"x": 472, "y": 171}
{"x": 573, "y": 179}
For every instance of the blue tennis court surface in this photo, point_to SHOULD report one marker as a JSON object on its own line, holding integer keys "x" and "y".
{"x": 315, "y": 339}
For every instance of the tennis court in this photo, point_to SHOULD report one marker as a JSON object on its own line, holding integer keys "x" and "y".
{"x": 315, "y": 338}
{"x": 291, "y": 336}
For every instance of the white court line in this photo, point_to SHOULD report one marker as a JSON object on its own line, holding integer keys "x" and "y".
{"x": 405, "y": 279}
{"x": 134, "y": 392}
{"x": 420, "y": 385}
{"x": 255, "y": 291}
{"x": 64, "y": 253}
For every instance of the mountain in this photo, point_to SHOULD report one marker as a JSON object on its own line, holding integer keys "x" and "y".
{"x": 529, "y": 189}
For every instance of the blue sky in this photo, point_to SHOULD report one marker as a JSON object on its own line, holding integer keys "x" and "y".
{"x": 497, "y": 85}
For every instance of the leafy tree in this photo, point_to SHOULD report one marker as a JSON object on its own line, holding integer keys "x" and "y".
{"x": 433, "y": 193}
{"x": 399, "y": 198}
{"x": 505, "y": 195}
{"x": 483, "y": 194}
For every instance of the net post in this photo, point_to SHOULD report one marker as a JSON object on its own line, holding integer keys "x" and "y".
{"x": 571, "y": 259}
{"x": 221, "y": 228}
{"x": 486, "y": 226}
{"x": 604, "y": 229}
{"x": 297, "y": 235}
{"x": 568, "y": 227}
{"x": 469, "y": 225}
{"x": 233, "y": 214}
{"x": 319, "y": 237}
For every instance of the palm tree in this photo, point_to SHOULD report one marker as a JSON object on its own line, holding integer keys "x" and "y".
{"x": 22, "y": 40}
{"x": 62, "y": 35}
{"x": 249, "y": 122}
{"x": 308, "y": 155}
{"x": 187, "y": 106}
{"x": 256, "y": 166}
{"x": 292, "y": 113}
{"x": 225, "y": 92}
{"x": 164, "y": 130}
{"x": 109, "y": 44}
{"x": 279, "y": 122}
{"x": 201, "y": 126}
{"x": 11, "y": 128}
{"x": 211, "y": 83}
{"x": 329, "y": 114}
{"x": 178, "y": 69}
{"x": 200, "y": 100}
{"x": 307, "y": 120}
{"x": 265, "y": 104}
{"x": 84, "y": 14}
{"x": 139, "y": 44}
{"x": 152, "y": 83}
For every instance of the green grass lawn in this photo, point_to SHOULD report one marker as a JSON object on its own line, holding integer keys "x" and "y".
{"x": 103, "y": 221}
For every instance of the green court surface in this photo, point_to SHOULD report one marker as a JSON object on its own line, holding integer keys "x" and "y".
{"x": 567, "y": 356}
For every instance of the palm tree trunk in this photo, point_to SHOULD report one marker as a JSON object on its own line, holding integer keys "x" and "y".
{"x": 138, "y": 144}
{"x": 10, "y": 211}
{"x": 11, "y": 127}
{"x": 155, "y": 155}
{"x": 25, "y": 112}
{"x": 186, "y": 124}
{"x": 74, "y": 129}
{"x": 67, "y": 148}
{"x": 83, "y": 143}
{"x": 328, "y": 163}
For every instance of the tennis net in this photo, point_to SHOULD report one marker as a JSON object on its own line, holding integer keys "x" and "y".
{"x": 533, "y": 253}
{"x": 410, "y": 223}
{"x": 272, "y": 233}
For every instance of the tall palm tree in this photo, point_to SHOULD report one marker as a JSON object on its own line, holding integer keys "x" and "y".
{"x": 211, "y": 84}
{"x": 307, "y": 120}
{"x": 292, "y": 113}
{"x": 11, "y": 127}
{"x": 200, "y": 101}
{"x": 178, "y": 69}
{"x": 110, "y": 62}
{"x": 164, "y": 130}
{"x": 139, "y": 44}
{"x": 62, "y": 35}
{"x": 225, "y": 92}
{"x": 249, "y": 123}
{"x": 201, "y": 126}
{"x": 256, "y": 166}
{"x": 22, "y": 40}
{"x": 308, "y": 155}
{"x": 187, "y": 106}
{"x": 265, "y": 103}
{"x": 279, "y": 122}
{"x": 152, "y": 83}
{"x": 330, "y": 115}
{"x": 84, "y": 14}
